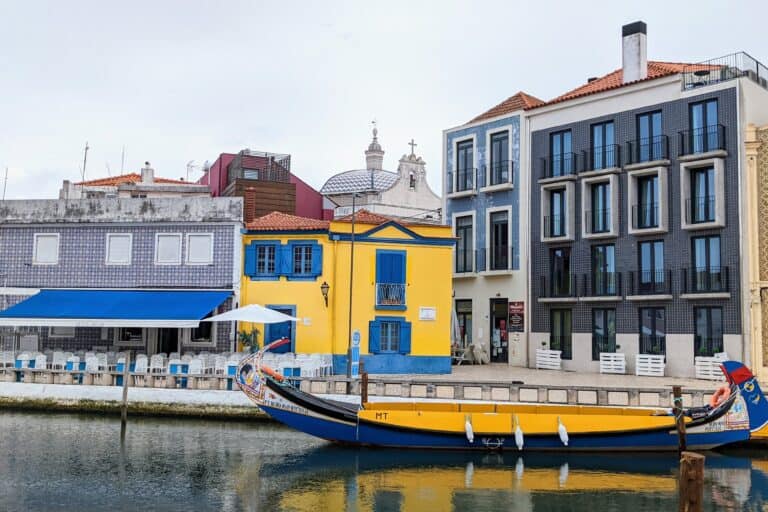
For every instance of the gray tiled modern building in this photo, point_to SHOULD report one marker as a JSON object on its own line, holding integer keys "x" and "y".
{"x": 636, "y": 231}
{"x": 121, "y": 265}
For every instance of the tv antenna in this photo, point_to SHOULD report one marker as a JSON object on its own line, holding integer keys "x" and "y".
{"x": 5, "y": 182}
{"x": 85, "y": 160}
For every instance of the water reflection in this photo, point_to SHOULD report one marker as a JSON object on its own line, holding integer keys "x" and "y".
{"x": 67, "y": 462}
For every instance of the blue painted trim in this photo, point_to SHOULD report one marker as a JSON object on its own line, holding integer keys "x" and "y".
{"x": 312, "y": 276}
{"x": 292, "y": 308}
{"x": 417, "y": 240}
{"x": 391, "y": 308}
{"x": 271, "y": 276}
{"x": 396, "y": 363}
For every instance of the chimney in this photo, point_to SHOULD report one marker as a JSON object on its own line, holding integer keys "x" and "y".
{"x": 147, "y": 174}
{"x": 634, "y": 55}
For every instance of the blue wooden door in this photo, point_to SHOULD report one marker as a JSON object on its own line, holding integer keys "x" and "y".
{"x": 281, "y": 330}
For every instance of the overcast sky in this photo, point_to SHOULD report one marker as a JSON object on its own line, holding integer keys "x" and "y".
{"x": 181, "y": 81}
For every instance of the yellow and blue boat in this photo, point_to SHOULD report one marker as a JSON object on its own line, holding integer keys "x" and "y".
{"x": 504, "y": 426}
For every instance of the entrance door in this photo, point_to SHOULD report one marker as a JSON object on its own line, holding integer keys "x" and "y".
{"x": 168, "y": 340}
{"x": 281, "y": 330}
{"x": 499, "y": 336}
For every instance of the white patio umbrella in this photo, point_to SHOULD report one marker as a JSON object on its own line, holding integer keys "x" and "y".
{"x": 253, "y": 313}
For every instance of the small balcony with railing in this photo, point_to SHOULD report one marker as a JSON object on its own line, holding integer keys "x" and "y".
{"x": 701, "y": 209}
{"x": 498, "y": 175}
{"x": 648, "y": 150}
{"x": 464, "y": 261}
{"x": 602, "y": 285}
{"x": 702, "y": 141}
{"x": 462, "y": 182}
{"x": 554, "y": 226}
{"x": 259, "y": 166}
{"x": 601, "y": 158}
{"x": 390, "y": 296}
{"x": 598, "y": 221}
{"x": 557, "y": 288}
{"x": 498, "y": 258}
{"x": 559, "y": 166}
{"x": 649, "y": 284}
{"x": 653, "y": 344}
{"x": 602, "y": 343}
{"x": 645, "y": 216}
{"x": 705, "y": 282}
{"x": 722, "y": 69}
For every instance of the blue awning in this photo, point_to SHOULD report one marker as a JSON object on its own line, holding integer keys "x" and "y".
{"x": 114, "y": 308}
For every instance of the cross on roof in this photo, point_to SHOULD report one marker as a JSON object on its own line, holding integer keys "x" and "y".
{"x": 412, "y": 144}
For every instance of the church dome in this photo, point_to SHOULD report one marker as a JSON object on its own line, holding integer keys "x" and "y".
{"x": 359, "y": 180}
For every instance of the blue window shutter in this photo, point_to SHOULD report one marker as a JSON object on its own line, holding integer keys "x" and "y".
{"x": 317, "y": 259}
{"x": 380, "y": 262}
{"x": 250, "y": 259}
{"x": 374, "y": 330}
{"x": 284, "y": 260}
{"x": 405, "y": 337}
{"x": 398, "y": 268}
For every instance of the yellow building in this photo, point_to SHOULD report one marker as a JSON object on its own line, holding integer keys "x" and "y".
{"x": 400, "y": 298}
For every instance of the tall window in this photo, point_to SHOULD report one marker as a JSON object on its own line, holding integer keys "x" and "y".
{"x": 708, "y": 338}
{"x": 707, "y": 275}
{"x": 651, "y": 275}
{"x": 603, "y": 149}
{"x": 653, "y": 331}
{"x": 560, "y": 332}
{"x": 702, "y": 206}
{"x": 499, "y": 240}
{"x": 555, "y": 224}
{"x": 389, "y": 336}
{"x": 464, "y": 165}
{"x": 647, "y": 209}
{"x": 649, "y": 138}
{"x": 603, "y": 270}
{"x": 603, "y": 332}
{"x": 265, "y": 259}
{"x": 302, "y": 259}
{"x": 464, "y": 244}
{"x": 499, "y": 158}
{"x": 561, "y": 272}
{"x": 560, "y": 154}
{"x": 600, "y": 217}
{"x": 464, "y": 314}
{"x": 703, "y": 123}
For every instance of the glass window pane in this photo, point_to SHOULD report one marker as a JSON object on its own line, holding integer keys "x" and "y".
{"x": 566, "y": 142}
{"x": 714, "y": 252}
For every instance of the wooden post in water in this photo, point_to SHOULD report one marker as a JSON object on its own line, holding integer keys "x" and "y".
{"x": 124, "y": 406}
{"x": 677, "y": 408}
{"x": 691, "y": 482}
{"x": 363, "y": 385}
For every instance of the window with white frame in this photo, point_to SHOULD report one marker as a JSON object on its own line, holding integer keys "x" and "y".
{"x": 61, "y": 332}
{"x": 119, "y": 247}
{"x": 46, "y": 249}
{"x": 202, "y": 335}
{"x": 168, "y": 249}
{"x": 199, "y": 248}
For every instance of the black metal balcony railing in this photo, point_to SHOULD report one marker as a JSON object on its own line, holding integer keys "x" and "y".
{"x": 390, "y": 294}
{"x": 257, "y": 165}
{"x": 499, "y": 257}
{"x": 563, "y": 344}
{"x": 499, "y": 173}
{"x": 645, "y": 216}
{"x": 650, "y": 282}
{"x": 653, "y": 345}
{"x": 557, "y": 286}
{"x": 598, "y": 221}
{"x": 705, "y": 280}
{"x": 647, "y": 149}
{"x": 700, "y": 209}
{"x": 702, "y": 140}
{"x": 466, "y": 179}
{"x": 602, "y": 284}
{"x": 707, "y": 346}
{"x": 564, "y": 164}
{"x": 602, "y": 157}
{"x": 464, "y": 261}
{"x": 554, "y": 226}
{"x": 725, "y": 68}
{"x": 602, "y": 343}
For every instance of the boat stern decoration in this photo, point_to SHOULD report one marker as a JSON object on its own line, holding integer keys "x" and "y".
{"x": 507, "y": 426}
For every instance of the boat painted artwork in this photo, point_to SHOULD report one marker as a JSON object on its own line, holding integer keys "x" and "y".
{"x": 740, "y": 413}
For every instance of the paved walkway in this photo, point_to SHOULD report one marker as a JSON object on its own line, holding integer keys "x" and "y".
{"x": 502, "y": 373}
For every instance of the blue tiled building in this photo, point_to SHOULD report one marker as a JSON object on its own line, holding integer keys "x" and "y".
{"x": 137, "y": 267}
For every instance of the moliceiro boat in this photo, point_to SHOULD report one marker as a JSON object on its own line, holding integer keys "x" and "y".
{"x": 736, "y": 416}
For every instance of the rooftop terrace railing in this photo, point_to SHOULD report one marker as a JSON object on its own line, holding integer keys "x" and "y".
{"x": 725, "y": 68}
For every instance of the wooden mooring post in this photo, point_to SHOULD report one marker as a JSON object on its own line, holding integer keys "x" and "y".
{"x": 691, "y": 482}
{"x": 677, "y": 408}
{"x": 363, "y": 385}
{"x": 124, "y": 406}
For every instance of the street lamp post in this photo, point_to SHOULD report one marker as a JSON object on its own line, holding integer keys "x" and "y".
{"x": 351, "y": 276}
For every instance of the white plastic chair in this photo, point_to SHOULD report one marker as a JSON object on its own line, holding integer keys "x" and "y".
{"x": 58, "y": 362}
{"x": 196, "y": 366}
{"x": 101, "y": 357}
{"x": 220, "y": 365}
{"x": 92, "y": 364}
{"x": 157, "y": 363}
{"x": 41, "y": 362}
{"x": 141, "y": 364}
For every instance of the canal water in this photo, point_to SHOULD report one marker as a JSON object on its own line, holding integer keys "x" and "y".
{"x": 73, "y": 462}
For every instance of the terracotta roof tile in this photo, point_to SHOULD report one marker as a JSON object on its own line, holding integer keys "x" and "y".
{"x": 366, "y": 217}
{"x": 277, "y": 221}
{"x": 614, "y": 80}
{"x": 519, "y": 101}
{"x": 129, "y": 179}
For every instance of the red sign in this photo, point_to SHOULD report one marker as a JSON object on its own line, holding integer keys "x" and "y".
{"x": 517, "y": 316}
